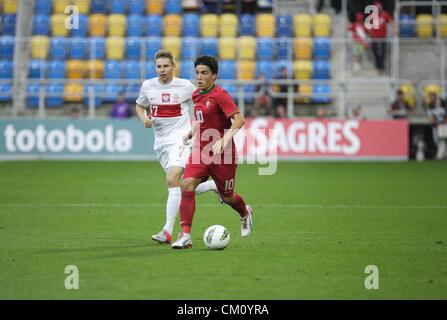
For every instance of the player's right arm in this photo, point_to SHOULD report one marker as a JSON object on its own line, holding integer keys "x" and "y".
{"x": 141, "y": 112}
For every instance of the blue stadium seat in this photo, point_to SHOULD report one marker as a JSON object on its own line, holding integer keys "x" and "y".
{"x": 266, "y": 68}
{"x": 78, "y": 47}
{"x": 321, "y": 69}
{"x": 41, "y": 25}
{"x": 82, "y": 29}
{"x": 6, "y": 47}
{"x": 173, "y": 6}
{"x": 265, "y": 48}
{"x": 322, "y": 48}
{"x": 55, "y": 95}
{"x": 284, "y": 49}
{"x": 321, "y": 93}
{"x": 98, "y": 6}
{"x": 9, "y": 24}
{"x": 132, "y": 92}
{"x": 187, "y": 70}
{"x": 191, "y": 25}
{"x": 279, "y": 64}
{"x": 136, "y": 7}
{"x": 153, "y": 44}
{"x": 407, "y": 25}
{"x": 149, "y": 70}
{"x": 98, "y": 91}
{"x": 37, "y": 69}
{"x": 284, "y": 26}
{"x": 56, "y": 69}
{"x": 227, "y": 69}
{"x": 189, "y": 48}
{"x": 5, "y": 69}
{"x": 117, "y": 6}
{"x": 247, "y": 25}
{"x": 96, "y": 48}
{"x": 33, "y": 91}
{"x": 132, "y": 69}
{"x": 208, "y": 46}
{"x": 154, "y": 25}
{"x": 111, "y": 92}
{"x": 133, "y": 48}
{"x": 135, "y": 25}
{"x": 113, "y": 69}
{"x": 230, "y": 88}
{"x": 58, "y": 48}
{"x": 5, "y": 92}
{"x": 249, "y": 91}
{"x": 43, "y": 7}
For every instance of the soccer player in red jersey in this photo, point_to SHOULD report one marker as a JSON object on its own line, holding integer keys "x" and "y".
{"x": 218, "y": 119}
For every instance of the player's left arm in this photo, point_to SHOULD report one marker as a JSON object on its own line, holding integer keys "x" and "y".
{"x": 238, "y": 122}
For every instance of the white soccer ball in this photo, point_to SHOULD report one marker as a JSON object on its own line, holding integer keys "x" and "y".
{"x": 216, "y": 237}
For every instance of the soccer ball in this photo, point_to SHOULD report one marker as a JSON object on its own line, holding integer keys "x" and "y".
{"x": 216, "y": 237}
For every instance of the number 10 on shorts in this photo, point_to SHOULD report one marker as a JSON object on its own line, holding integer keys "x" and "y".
{"x": 229, "y": 184}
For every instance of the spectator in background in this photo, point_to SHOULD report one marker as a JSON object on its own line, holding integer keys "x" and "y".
{"x": 281, "y": 88}
{"x": 121, "y": 108}
{"x": 75, "y": 113}
{"x": 281, "y": 112}
{"x": 249, "y": 6}
{"x": 355, "y": 113}
{"x": 437, "y": 114}
{"x": 400, "y": 109}
{"x": 361, "y": 41}
{"x": 263, "y": 102}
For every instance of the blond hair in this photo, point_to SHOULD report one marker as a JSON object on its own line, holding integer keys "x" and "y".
{"x": 165, "y": 54}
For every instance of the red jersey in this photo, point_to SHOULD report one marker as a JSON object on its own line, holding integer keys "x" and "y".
{"x": 384, "y": 19}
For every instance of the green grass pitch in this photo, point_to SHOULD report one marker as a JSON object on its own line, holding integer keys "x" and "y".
{"x": 317, "y": 226}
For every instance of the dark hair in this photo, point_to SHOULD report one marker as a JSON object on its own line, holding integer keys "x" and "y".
{"x": 208, "y": 61}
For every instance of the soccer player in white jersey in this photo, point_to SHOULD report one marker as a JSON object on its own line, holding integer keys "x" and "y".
{"x": 169, "y": 100}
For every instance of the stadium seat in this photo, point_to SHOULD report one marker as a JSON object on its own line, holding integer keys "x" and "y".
{"x": 429, "y": 88}
{"x": 39, "y": 47}
{"x": 60, "y": 5}
{"x": 116, "y": 25}
{"x": 246, "y": 69}
{"x": 153, "y": 44}
{"x": 284, "y": 49}
{"x": 321, "y": 70}
{"x": 189, "y": 48}
{"x": 7, "y": 46}
{"x": 443, "y": 25}
{"x": 265, "y": 25}
{"x": 209, "y": 24}
{"x": 321, "y": 93}
{"x": 54, "y": 95}
{"x": 5, "y": 69}
{"x": 56, "y": 69}
{"x": 96, "y": 48}
{"x": 154, "y": 25}
{"x": 37, "y": 69}
{"x": 409, "y": 94}
{"x": 280, "y": 64}
{"x": 98, "y": 6}
{"x": 247, "y": 47}
{"x": 83, "y": 6}
{"x": 424, "y": 27}
{"x": 303, "y": 48}
{"x": 113, "y": 69}
{"x": 284, "y": 26}
{"x": 149, "y": 70}
{"x": 208, "y": 46}
{"x": 95, "y": 69}
{"x": 32, "y": 99}
{"x": 191, "y": 25}
{"x": 302, "y": 69}
{"x": 135, "y": 25}
{"x": 407, "y": 25}
{"x": 187, "y": 71}
{"x": 75, "y": 69}
{"x": 302, "y": 25}
{"x": 172, "y": 25}
{"x": 173, "y": 44}
{"x": 117, "y": 6}
{"x": 82, "y": 29}
{"x": 133, "y": 48}
{"x": 58, "y": 28}
{"x": 227, "y": 48}
{"x": 97, "y": 25}
{"x": 173, "y": 6}
{"x": 78, "y": 48}
{"x": 5, "y": 92}
{"x": 115, "y": 48}
{"x": 42, "y": 7}
{"x": 305, "y": 90}
{"x": 97, "y": 91}
{"x": 41, "y": 25}
{"x": 247, "y": 25}
{"x": 58, "y": 48}
{"x": 265, "y": 68}
{"x": 227, "y": 69}
{"x": 322, "y": 48}
{"x": 9, "y": 6}
{"x": 111, "y": 92}
{"x": 265, "y": 48}
{"x": 131, "y": 69}
{"x": 9, "y": 24}
{"x": 322, "y": 25}
{"x": 154, "y": 6}
{"x": 228, "y": 25}
{"x": 132, "y": 92}
{"x": 136, "y": 7}
{"x": 229, "y": 88}
{"x": 73, "y": 92}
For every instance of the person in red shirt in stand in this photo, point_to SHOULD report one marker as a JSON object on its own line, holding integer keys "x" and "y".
{"x": 218, "y": 119}
{"x": 379, "y": 36}
{"x": 361, "y": 42}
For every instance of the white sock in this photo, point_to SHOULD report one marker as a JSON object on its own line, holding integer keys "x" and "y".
{"x": 206, "y": 186}
{"x": 172, "y": 208}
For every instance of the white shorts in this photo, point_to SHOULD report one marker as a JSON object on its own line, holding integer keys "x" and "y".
{"x": 173, "y": 155}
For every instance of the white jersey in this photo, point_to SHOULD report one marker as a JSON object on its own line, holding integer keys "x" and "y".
{"x": 169, "y": 106}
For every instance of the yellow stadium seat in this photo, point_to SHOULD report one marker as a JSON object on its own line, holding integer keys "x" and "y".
{"x": 75, "y": 69}
{"x": 228, "y": 25}
{"x": 58, "y": 28}
{"x": 73, "y": 92}
{"x": 155, "y": 6}
{"x": 443, "y": 25}
{"x": 59, "y": 5}
{"x": 265, "y": 25}
{"x": 409, "y": 94}
{"x": 209, "y": 25}
{"x": 424, "y": 27}
{"x": 115, "y": 48}
{"x": 305, "y": 90}
{"x": 302, "y": 25}
{"x": 322, "y": 25}
{"x": 302, "y": 69}
{"x": 95, "y": 69}
{"x": 303, "y": 48}
{"x": 246, "y": 69}
{"x": 172, "y": 44}
{"x": 39, "y": 47}
{"x": 227, "y": 48}
{"x": 97, "y": 25}
{"x": 247, "y": 48}
{"x": 9, "y": 6}
{"x": 116, "y": 24}
{"x": 429, "y": 88}
{"x": 172, "y": 25}
{"x": 83, "y": 6}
